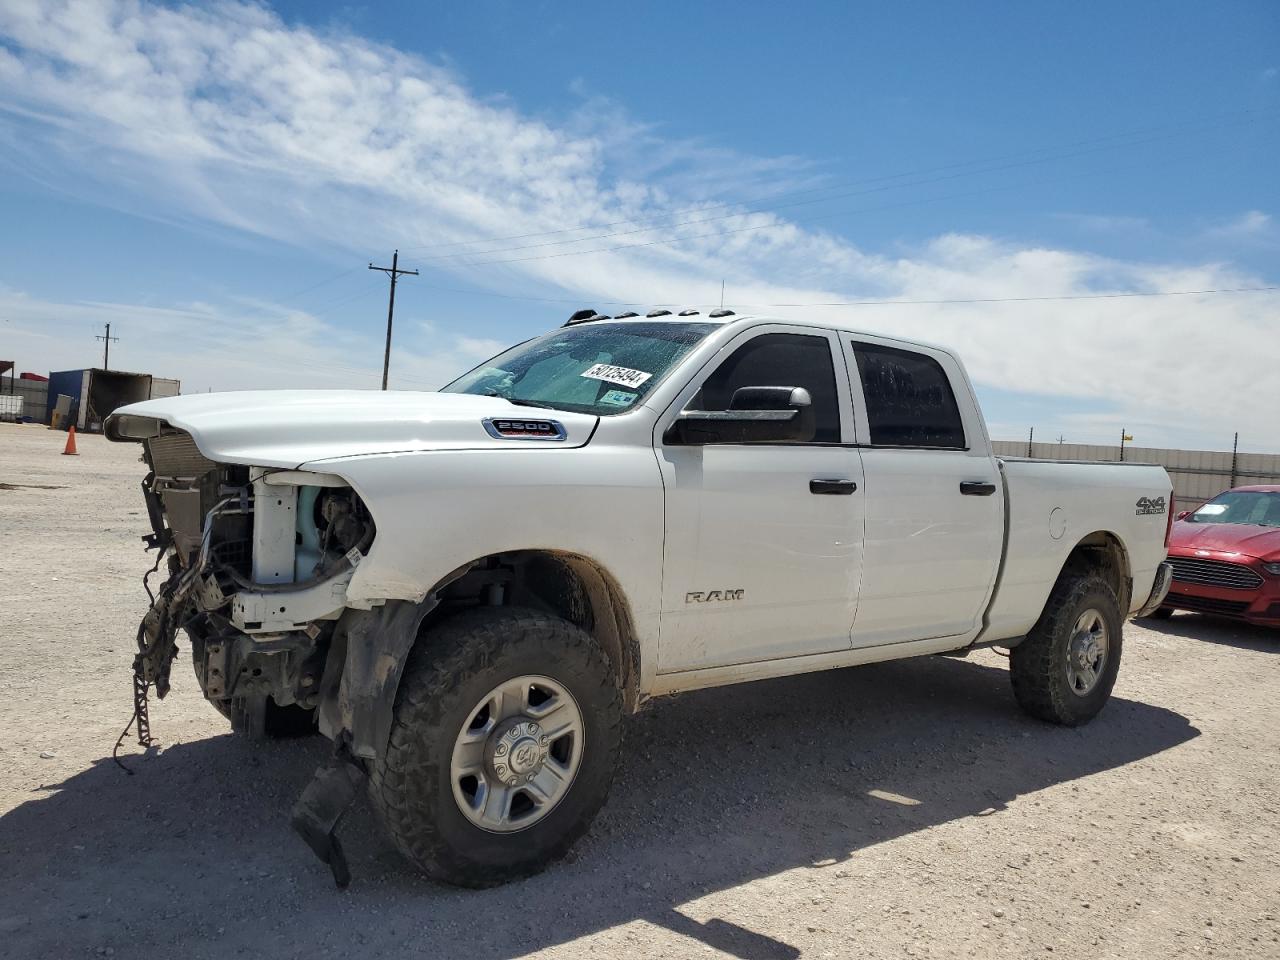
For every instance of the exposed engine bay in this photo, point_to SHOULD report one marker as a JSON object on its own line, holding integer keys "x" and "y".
{"x": 258, "y": 561}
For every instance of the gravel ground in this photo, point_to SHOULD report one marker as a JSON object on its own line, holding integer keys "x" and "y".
{"x": 900, "y": 809}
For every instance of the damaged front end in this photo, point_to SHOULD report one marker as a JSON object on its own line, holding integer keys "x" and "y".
{"x": 258, "y": 563}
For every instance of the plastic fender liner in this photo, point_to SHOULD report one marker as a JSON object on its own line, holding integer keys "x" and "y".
{"x": 362, "y": 673}
{"x": 319, "y": 810}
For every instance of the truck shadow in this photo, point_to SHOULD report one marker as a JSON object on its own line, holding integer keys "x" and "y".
{"x": 718, "y": 788}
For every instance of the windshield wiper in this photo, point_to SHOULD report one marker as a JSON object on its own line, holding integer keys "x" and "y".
{"x": 518, "y": 401}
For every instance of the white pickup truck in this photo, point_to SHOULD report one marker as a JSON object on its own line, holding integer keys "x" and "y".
{"x": 467, "y": 590}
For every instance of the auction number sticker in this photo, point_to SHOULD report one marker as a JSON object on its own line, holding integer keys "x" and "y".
{"x": 623, "y": 376}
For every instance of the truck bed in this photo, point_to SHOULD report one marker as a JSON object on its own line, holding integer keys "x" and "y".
{"x": 1052, "y": 506}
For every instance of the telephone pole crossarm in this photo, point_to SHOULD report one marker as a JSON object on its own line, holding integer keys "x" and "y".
{"x": 107, "y": 339}
{"x": 393, "y": 272}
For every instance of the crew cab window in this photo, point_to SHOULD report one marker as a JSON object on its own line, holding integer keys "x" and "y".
{"x": 909, "y": 399}
{"x": 779, "y": 360}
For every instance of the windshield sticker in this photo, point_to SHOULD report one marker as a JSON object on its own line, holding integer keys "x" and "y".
{"x": 620, "y": 375}
{"x": 618, "y": 398}
{"x": 1212, "y": 509}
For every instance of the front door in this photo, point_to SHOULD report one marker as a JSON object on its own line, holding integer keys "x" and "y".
{"x": 762, "y": 558}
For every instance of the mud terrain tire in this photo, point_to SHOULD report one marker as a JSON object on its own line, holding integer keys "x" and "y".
{"x": 1046, "y": 668}
{"x": 450, "y": 672}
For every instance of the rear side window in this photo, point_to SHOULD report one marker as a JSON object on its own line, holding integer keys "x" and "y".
{"x": 779, "y": 360}
{"x": 909, "y": 399}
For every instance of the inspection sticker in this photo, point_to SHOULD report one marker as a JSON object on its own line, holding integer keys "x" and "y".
{"x": 618, "y": 398}
{"x": 620, "y": 375}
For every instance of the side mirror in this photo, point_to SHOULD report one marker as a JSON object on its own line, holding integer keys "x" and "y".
{"x": 1183, "y": 515}
{"x": 755, "y": 415}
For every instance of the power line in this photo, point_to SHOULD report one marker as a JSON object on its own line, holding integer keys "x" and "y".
{"x": 321, "y": 283}
{"x": 748, "y": 213}
{"x": 873, "y": 303}
{"x": 356, "y": 294}
{"x": 1240, "y": 117}
{"x": 394, "y": 272}
{"x": 776, "y": 225}
{"x": 1203, "y": 124}
{"x": 1066, "y": 296}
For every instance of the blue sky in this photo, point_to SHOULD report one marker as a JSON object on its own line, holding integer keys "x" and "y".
{"x": 213, "y": 180}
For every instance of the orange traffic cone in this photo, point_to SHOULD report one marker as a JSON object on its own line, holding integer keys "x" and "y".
{"x": 70, "y": 448}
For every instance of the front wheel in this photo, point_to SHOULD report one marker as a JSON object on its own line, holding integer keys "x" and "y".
{"x": 507, "y": 732}
{"x": 1064, "y": 670}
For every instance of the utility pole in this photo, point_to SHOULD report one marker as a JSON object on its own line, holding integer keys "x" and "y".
{"x": 1123, "y": 438}
{"x": 106, "y": 347}
{"x": 393, "y": 272}
{"x": 1031, "y": 435}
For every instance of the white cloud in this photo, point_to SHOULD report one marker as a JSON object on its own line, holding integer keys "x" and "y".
{"x": 480, "y": 348}
{"x": 256, "y": 346}
{"x": 1103, "y": 223}
{"x": 323, "y": 139}
{"x": 1251, "y": 225}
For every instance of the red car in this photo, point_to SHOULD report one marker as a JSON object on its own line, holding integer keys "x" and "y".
{"x": 1226, "y": 557}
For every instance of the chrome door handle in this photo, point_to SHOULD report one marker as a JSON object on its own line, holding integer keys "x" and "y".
{"x": 835, "y": 487}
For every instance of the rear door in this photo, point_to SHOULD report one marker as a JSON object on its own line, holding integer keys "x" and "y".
{"x": 763, "y": 545}
{"x": 934, "y": 504}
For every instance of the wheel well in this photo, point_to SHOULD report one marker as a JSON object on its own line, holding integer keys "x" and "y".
{"x": 567, "y": 585}
{"x": 1102, "y": 552}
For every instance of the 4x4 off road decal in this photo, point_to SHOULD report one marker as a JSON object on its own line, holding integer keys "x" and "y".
{"x": 1147, "y": 505}
{"x": 711, "y": 596}
{"x": 513, "y": 428}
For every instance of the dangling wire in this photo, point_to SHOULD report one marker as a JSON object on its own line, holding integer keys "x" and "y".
{"x": 141, "y": 715}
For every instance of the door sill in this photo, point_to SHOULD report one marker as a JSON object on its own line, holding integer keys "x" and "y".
{"x": 676, "y": 681}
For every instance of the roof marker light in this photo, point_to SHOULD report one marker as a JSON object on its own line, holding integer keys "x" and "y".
{"x": 580, "y": 316}
{"x": 688, "y": 313}
{"x": 658, "y": 313}
{"x": 722, "y": 312}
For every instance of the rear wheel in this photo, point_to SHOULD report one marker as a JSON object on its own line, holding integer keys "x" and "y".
{"x": 1064, "y": 670}
{"x": 507, "y": 733}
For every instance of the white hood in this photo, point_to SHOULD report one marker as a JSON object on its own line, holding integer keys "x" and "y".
{"x": 287, "y": 428}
